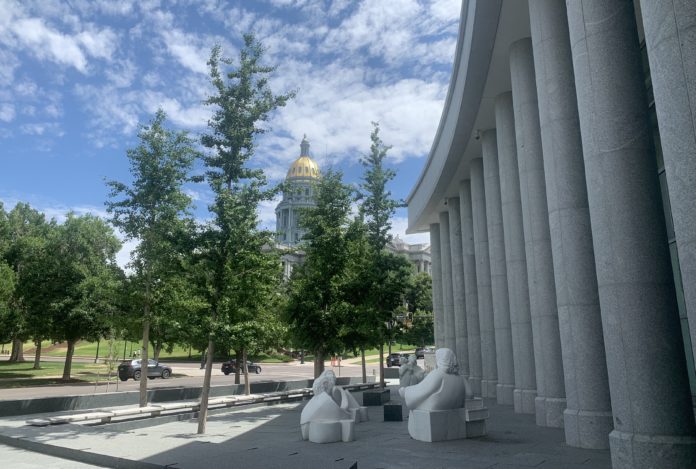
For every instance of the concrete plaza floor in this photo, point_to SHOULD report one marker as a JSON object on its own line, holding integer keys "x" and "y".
{"x": 268, "y": 437}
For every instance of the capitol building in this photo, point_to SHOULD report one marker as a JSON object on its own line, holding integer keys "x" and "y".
{"x": 298, "y": 194}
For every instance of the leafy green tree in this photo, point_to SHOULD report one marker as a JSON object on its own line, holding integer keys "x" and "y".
{"x": 7, "y": 286}
{"x": 22, "y": 229}
{"x": 317, "y": 308}
{"x": 419, "y": 303}
{"x": 84, "y": 280}
{"x": 154, "y": 210}
{"x": 418, "y": 294}
{"x": 387, "y": 272}
{"x": 231, "y": 244}
{"x": 36, "y": 289}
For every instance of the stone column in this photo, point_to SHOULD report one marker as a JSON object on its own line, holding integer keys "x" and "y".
{"x": 447, "y": 290}
{"x": 671, "y": 42}
{"x": 483, "y": 276}
{"x": 436, "y": 275}
{"x": 487, "y": 192}
{"x": 459, "y": 308}
{"x": 474, "y": 289}
{"x": 650, "y": 398}
{"x": 550, "y": 400}
{"x": 587, "y": 419}
{"x": 526, "y": 365}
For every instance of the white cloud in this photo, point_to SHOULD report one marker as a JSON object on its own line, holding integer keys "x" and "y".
{"x": 98, "y": 43}
{"x": 41, "y": 128}
{"x": 47, "y": 43}
{"x": 182, "y": 47}
{"x": 7, "y": 112}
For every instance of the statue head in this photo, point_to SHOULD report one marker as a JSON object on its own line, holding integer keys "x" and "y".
{"x": 412, "y": 359}
{"x": 447, "y": 361}
{"x": 324, "y": 383}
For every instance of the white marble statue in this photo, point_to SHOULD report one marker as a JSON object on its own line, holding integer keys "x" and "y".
{"x": 438, "y": 405}
{"x": 332, "y": 412}
{"x": 410, "y": 373}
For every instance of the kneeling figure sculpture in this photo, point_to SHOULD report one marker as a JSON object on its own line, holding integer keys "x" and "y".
{"x": 332, "y": 413}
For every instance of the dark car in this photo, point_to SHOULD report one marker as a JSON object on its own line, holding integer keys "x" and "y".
{"x": 132, "y": 369}
{"x": 420, "y": 352}
{"x": 396, "y": 359}
{"x": 230, "y": 366}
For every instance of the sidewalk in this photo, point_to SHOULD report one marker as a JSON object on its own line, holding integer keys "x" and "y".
{"x": 268, "y": 437}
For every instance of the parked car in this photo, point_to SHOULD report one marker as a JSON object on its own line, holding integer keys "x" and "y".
{"x": 396, "y": 359}
{"x": 230, "y": 366}
{"x": 132, "y": 369}
{"x": 420, "y": 352}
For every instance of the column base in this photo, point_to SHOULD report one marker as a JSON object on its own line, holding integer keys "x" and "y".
{"x": 488, "y": 388}
{"x": 587, "y": 429}
{"x": 639, "y": 451}
{"x": 549, "y": 411}
{"x": 523, "y": 400}
{"x": 475, "y": 383}
{"x": 504, "y": 392}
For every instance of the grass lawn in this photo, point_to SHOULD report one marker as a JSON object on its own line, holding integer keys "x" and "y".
{"x": 13, "y": 375}
{"x": 89, "y": 349}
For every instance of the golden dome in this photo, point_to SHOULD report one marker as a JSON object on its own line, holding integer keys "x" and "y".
{"x": 304, "y": 166}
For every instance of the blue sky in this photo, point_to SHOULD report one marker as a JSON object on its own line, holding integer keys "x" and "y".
{"x": 78, "y": 76}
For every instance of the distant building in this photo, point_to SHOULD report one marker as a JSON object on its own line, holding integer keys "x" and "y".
{"x": 298, "y": 195}
{"x": 418, "y": 254}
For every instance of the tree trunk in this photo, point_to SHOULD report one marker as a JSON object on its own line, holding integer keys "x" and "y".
{"x": 381, "y": 365}
{"x": 68, "y": 360}
{"x": 238, "y": 360}
{"x": 364, "y": 367}
{"x": 96, "y": 357}
{"x": 143, "y": 360}
{"x": 158, "y": 349}
{"x": 318, "y": 363}
{"x": 17, "y": 354}
{"x": 37, "y": 355}
{"x": 247, "y": 385}
{"x": 205, "y": 392}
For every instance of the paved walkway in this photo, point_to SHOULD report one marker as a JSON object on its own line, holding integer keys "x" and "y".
{"x": 268, "y": 437}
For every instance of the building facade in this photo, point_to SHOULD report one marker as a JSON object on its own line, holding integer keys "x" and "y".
{"x": 560, "y": 197}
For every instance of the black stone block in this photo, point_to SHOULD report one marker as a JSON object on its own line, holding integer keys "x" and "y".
{"x": 376, "y": 397}
{"x": 392, "y": 413}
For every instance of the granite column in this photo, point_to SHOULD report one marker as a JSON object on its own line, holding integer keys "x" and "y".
{"x": 587, "y": 419}
{"x": 436, "y": 275}
{"x": 527, "y": 367}
{"x": 650, "y": 398}
{"x": 483, "y": 275}
{"x": 550, "y": 401}
{"x": 487, "y": 191}
{"x": 459, "y": 305}
{"x": 447, "y": 290}
{"x": 475, "y": 289}
{"x": 670, "y": 37}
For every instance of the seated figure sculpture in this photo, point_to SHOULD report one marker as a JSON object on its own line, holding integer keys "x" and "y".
{"x": 331, "y": 414}
{"x": 438, "y": 405}
{"x": 410, "y": 373}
